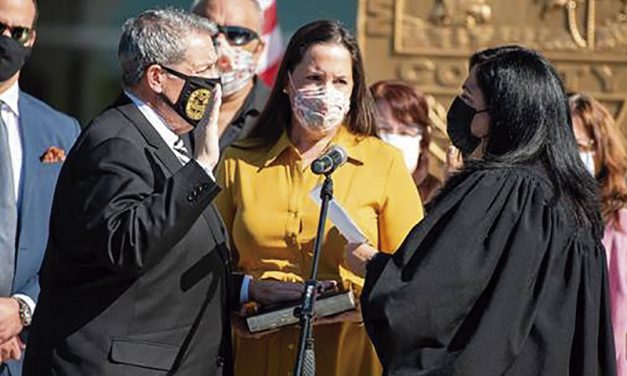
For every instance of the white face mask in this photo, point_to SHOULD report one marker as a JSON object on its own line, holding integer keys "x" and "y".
{"x": 588, "y": 160}
{"x": 320, "y": 108}
{"x": 239, "y": 70}
{"x": 409, "y": 145}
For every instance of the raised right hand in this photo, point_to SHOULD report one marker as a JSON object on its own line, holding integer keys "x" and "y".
{"x": 207, "y": 135}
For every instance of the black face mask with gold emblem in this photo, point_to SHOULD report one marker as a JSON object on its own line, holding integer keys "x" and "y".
{"x": 195, "y": 96}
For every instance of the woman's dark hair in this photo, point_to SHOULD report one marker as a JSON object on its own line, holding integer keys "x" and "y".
{"x": 277, "y": 114}
{"x": 609, "y": 146}
{"x": 531, "y": 124}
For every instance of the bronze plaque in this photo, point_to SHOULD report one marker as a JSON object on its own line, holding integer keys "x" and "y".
{"x": 427, "y": 42}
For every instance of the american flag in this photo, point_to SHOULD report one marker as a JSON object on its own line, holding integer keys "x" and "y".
{"x": 271, "y": 58}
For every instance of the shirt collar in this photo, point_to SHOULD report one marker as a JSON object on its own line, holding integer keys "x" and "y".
{"x": 11, "y": 97}
{"x": 344, "y": 138}
{"x": 155, "y": 120}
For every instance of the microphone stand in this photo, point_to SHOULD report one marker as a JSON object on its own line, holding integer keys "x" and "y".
{"x": 306, "y": 359}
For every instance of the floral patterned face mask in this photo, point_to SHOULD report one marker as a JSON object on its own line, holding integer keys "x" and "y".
{"x": 319, "y": 108}
{"x": 237, "y": 68}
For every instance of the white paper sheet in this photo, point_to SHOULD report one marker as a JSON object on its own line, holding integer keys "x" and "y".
{"x": 339, "y": 216}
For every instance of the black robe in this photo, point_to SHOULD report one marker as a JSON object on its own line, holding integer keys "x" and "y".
{"x": 498, "y": 279}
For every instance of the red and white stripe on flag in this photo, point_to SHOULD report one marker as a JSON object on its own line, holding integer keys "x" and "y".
{"x": 272, "y": 36}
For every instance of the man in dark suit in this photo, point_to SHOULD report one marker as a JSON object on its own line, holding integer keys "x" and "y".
{"x": 136, "y": 277}
{"x": 33, "y": 141}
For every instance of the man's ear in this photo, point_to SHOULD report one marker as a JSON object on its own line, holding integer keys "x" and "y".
{"x": 155, "y": 77}
{"x": 258, "y": 50}
{"x": 31, "y": 40}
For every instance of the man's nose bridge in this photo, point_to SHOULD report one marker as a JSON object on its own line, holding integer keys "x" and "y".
{"x": 7, "y": 31}
{"x": 224, "y": 57}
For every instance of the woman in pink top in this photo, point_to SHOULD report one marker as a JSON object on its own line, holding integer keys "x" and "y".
{"x": 602, "y": 149}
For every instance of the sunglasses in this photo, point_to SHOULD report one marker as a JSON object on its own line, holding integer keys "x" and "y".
{"x": 238, "y": 35}
{"x": 18, "y": 33}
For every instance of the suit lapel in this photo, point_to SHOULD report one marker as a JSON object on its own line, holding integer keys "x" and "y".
{"x": 170, "y": 161}
{"x": 30, "y": 142}
{"x": 156, "y": 142}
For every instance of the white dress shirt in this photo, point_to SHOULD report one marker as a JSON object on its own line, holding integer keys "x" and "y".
{"x": 10, "y": 112}
{"x": 159, "y": 125}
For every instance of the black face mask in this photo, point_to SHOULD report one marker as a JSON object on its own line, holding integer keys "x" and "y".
{"x": 458, "y": 122}
{"x": 13, "y": 55}
{"x": 194, "y": 98}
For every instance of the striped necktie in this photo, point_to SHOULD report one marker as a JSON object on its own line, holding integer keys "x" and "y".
{"x": 181, "y": 150}
{"x": 8, "y": 213}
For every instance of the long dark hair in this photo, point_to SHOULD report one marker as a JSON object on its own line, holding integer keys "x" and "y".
{"x": 531, "y": 125}
{"x": 277, "y": 113}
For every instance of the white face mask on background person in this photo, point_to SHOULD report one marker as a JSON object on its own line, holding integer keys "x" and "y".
{"x": 587, "y": 157}
{"x": 238, "y": 70}
{"x": 409, "y": 145}
{"x": 319, "y": 108}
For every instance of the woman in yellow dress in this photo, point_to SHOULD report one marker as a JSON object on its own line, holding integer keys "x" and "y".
{"x": 320, "y": 99}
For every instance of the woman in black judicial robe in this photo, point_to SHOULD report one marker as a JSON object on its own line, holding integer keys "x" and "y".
{"x": 506, "y": 275}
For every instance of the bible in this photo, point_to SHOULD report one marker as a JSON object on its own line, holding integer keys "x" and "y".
{"x": 276, "y": 316}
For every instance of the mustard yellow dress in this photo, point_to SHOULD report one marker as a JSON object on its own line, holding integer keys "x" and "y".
{"x": 272, "y": 222}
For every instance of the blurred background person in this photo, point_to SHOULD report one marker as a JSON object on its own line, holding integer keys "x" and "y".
{"x": 602, "y": 149}
{"x": 33, "y": 141}
{"x": 239, "y": 46}
{"x": 403, "y": 121}
{"x": 320, "y": 98}
{"x": 509, "y": 257}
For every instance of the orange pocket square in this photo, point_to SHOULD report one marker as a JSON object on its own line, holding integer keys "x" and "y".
{"x": 53, "y": 155}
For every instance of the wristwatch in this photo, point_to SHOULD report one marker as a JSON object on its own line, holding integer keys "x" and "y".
{"x": 26, "y": 315}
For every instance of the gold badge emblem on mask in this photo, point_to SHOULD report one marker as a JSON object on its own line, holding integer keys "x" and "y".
{"x": 197, "y": 103}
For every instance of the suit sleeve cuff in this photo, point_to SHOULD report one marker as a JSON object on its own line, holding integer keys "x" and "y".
{"x": 243, "y": 294}
{"x": 26, "y": 299}
{"x": 207, "y": 170}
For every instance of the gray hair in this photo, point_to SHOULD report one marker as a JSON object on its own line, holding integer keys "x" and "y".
{"x": 157, "y": 36}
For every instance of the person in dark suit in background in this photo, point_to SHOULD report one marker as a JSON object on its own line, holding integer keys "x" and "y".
{"x": 136, "y": 277}
{"x": 33, "y": 141}
{"x": 240, "y": 47}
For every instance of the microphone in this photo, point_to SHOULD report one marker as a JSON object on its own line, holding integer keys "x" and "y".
{"x": 333, "y": 158}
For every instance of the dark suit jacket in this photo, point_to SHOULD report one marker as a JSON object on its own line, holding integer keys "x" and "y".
{"x": 40, "y": 128}
{"x": 135, "y": 280}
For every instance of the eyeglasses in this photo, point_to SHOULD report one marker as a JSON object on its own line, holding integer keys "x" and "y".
{"x": 18, "y": 33}
{"x": 238, "y": 35}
